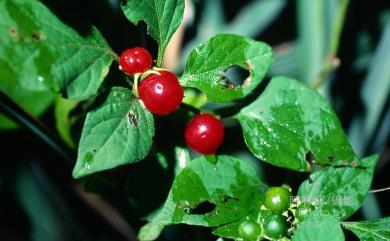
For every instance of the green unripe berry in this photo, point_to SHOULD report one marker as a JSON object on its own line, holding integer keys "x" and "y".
{"x": 275, "y": 226}
{"x": 277, "y": 199}
{"x": 249, "y": 231}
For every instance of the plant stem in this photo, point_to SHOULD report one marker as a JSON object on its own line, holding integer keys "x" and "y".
{"x": 380, "y": 190}
{"x": 211, "y": 158}
{"x": 331, "y": 61}
{"x": 129, "y": 81}
{"x": 22, "y": 117}
{"x": 160, "y": 57}
{"x": 135, "y": 85}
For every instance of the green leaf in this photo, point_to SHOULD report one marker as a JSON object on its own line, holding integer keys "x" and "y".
{"x": 339, "y": 190}
{"x": 38, "y": 51}
{"x": 291, "y": 124}
{"x": 62, "y": 109}
{"x": 118, "y": 132}
{"x": 250, "y": 21}
{"x": 150, "y": 231}
{"x": 373, "y": 230}
{"x": 206, "y": 66}
{"x": 319, "y": 228}
{"x": 210, "y": 195}
{"x": 163, "y": 17}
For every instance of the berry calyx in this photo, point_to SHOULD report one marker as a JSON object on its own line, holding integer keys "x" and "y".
{"x": 135, "y": 60}
{"x": 161, "y": 93}
{"x": 249, "y": 231}
{"x": 275, "y": 226}
{"x": 303, "y": 211}
{"x": 204, "y": 134}
{"x": 277, "y": 199}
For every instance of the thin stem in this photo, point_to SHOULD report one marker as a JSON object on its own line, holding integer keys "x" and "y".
{"x": 22, "y": 117}
{"x": 211, "y": 158}
{"x": 331, "y": 61}
{"x": 129, "y": 81}
{"x": 160, "y": 57}
{"x": 380, "y": 190}
{"x": 135, "y": 85}
{"x": 338, "y": 26}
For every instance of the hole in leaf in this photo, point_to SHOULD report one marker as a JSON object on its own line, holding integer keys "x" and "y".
{"x": 309, "y": 157}
{"x": 330, "y": 158}
{"x": 235, "y": 76}
{"x": 13, "y": 32}
{"x": 132, "y": 119}
{"x": 37, "y": 35}
{"x": 203, "y": 208}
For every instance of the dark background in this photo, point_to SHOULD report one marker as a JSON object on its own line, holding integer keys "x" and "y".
{"x": 38, "y": 198}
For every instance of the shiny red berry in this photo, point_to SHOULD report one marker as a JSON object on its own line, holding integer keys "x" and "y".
{"x": 161, "y": 93}
{"x": 204, "y": 134}
{"x": 135, "y": 60}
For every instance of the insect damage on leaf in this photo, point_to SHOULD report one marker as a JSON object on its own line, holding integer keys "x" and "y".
{"x": 132, "y": 119}
{"x": 38, "y": 35}
{"x": 234, "y": 76}
{"x": 226, "y": 83}
{"x": 13, "y": 32}
{"x": 201, "y": 208}
{"x": 309, "y": 157}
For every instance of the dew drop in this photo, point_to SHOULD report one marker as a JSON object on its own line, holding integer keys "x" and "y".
{"x": 88, "y": 165}
{"x": 40, "y": 78}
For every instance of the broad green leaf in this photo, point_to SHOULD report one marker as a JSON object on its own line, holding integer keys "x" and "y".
{"x": 319, "y": 228}
{"x": 150, "y": 231}
{"x": 163, "y": 17}
{"x": 290, "y": 125}
{"x": 62, "y": 109}
{"x": 206, "y": 66}
{"x": 209, "y": 195}
{"x": 38, "y": 51}
{"x": 118, "y": 132}
{"x": 339, "y": 190}
{"x": 250, "y": 21}
{"x": 373, "y": 230}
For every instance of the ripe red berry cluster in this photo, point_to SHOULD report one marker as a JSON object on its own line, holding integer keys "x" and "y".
{"x": 162, "y": 94}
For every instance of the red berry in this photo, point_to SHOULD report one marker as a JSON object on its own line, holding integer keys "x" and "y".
{"x": 161, "y": 93}
{"x": 204, "y": 134}
{"x": 136, "y": 60}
